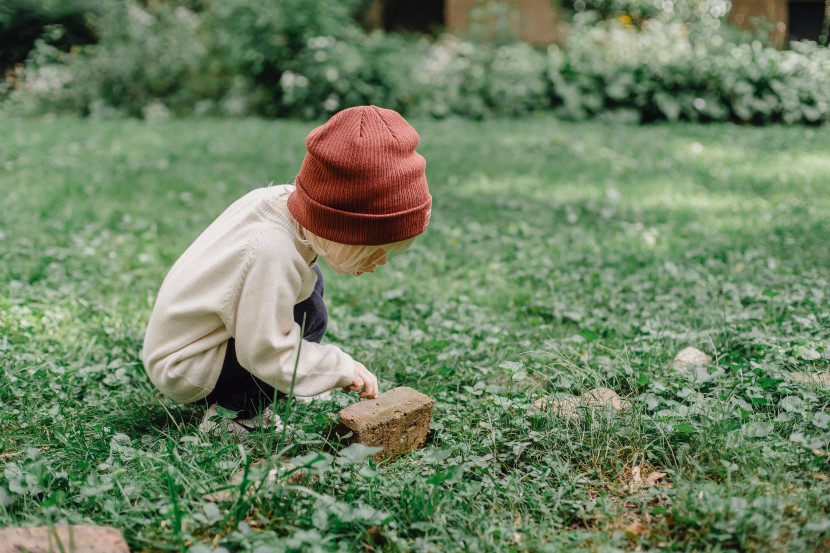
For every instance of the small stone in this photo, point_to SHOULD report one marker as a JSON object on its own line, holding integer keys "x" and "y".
{"x": 287, "y": 472}
{"x": 689, "y": 358}
{"x": 397, "y": 421}
{"x": 604, "y": 396}
{"x": 78, "y": 539}
{"x": 568, "y": 407}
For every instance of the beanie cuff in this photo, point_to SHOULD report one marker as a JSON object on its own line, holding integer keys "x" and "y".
{"x": 357, "y": 229}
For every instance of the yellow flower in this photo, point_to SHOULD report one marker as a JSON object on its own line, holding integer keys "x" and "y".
{"x": 625, "y": 20}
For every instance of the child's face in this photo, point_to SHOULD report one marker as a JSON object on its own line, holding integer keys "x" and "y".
{"x": 378, "y": 258}
{"x": 367, "y": 265}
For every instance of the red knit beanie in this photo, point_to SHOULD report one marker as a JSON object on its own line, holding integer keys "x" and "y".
{"x": 361, "y": 182}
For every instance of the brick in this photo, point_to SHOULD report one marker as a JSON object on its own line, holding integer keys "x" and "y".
{"x": 78, "y": 539}
{"x": 397, "y": 421}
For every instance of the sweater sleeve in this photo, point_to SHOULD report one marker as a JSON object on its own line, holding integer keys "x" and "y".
{"x": 260, "y": 316}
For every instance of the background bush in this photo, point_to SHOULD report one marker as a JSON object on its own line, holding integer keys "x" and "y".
{"x": 23, "y": 22}
{"x": 624, "y": 59}
{"x": 666, "y": 68}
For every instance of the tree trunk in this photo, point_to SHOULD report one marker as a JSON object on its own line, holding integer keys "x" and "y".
{"x": 825, "y": 28}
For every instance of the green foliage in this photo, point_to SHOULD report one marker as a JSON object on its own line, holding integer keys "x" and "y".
{"x": 456, "y": 77}
{"x": 261, "y": 42}
{"x": 631, "y": 61}
{"x": 23, "y": 22}
{"x": 157, "y": 58}
{"x": 694, "y": 12}
{"x": 149, "y": 60}
{"x": 662, "y": 71}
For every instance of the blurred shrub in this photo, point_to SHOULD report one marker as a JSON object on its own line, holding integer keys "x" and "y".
{"x": 178, "y": 57}
{"x": 635, "y": 61}
{"x": 23, "y": 22}
{"x": 330, "y": 74}
{"x": 147, "y": 58}
{"x": 465, "y": 78}
{"x": 441, "y": 78}
{"x": 660, "y": 70}
{"x": 637, "y": 9}
{"x": 694, "y": 13}
{"x": 264, "y": 42}
{"x": 304, "y": 58}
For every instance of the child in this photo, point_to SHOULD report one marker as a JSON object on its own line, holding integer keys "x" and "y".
{"x": 226, "y": 326}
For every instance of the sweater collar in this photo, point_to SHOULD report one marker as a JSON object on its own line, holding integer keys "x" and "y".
{"x": 274, "y": 211}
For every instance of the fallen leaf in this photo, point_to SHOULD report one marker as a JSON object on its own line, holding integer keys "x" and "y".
{"x": 636, "y": 482}
{"x": 635, "y": 475}
{"x": 635, "y": 529}
{"x": 652, "y": 478}
{"x": 11, "y": 454}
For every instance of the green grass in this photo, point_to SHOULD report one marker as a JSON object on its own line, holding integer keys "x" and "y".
{"x": 560, "y": 257}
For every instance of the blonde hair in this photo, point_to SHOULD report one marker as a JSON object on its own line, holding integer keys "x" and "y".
{"x": 345, "y": 258}
{"x": 348, "y": 258}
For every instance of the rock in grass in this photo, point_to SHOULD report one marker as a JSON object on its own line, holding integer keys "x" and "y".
{"x": 78, "y": 539}
{"x": 604, "y": 396}
{"x": 566, "y": 407}
{"x": 285, "y": 474}
{"x": 397, "y": 421}
{"x": 689, "y": 358}
{"x": 569, "y": 406}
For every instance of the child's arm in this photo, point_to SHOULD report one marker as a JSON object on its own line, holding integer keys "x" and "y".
{"x": 260, "y": 317}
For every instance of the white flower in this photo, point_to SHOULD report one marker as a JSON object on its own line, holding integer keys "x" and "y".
{"x": 140, "y": 16}
{"x": 331, "y": 103}
{"x": 287, "y": 80}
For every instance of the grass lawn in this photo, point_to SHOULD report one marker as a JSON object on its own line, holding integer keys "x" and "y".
{"x": 560, "y": 257}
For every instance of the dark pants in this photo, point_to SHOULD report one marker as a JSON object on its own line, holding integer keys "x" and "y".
{"x": 239, "y": 390}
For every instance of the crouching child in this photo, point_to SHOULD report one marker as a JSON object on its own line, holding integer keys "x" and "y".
{"x": 239, "y": 319}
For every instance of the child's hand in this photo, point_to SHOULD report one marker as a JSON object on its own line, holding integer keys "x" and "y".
{"x": 363, "y": 380}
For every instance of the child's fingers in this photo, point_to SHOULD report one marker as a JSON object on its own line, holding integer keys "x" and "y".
{"x": 364, "y": 382}
{"x": 371, "y": 388}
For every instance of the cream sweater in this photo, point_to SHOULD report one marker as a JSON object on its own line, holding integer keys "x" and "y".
{"x": 240, "y": 279}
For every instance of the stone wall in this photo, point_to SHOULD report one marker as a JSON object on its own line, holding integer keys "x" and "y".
{"x": 744, "y": 12}
{"x": 535, "y": 21}
{"x": 538, "y": 22}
